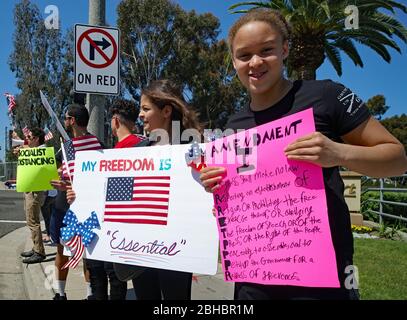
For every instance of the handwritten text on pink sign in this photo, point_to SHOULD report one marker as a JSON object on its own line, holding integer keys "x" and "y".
{"x": 272, "y": 213}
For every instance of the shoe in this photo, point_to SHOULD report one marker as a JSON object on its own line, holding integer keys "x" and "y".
{"x": 27, "y": 254}
{"x": 59, "y": 297}
{"x": 35, "y": 258}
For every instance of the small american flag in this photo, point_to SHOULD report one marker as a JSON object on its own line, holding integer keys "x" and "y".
{"x": 83, "y": 143}
{"x": 26, "y": 131}
{"x": 140, "y": 200}
{"x": 48, "y": 134}
{"x": 11, "y": 102}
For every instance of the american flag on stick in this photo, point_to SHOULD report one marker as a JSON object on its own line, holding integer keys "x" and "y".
{"x": 48, "y": 134}
{"x": 83, "y": 143}
{"x": 26, "y": 131}
{"x": 139, "y": 200}
{"x": 11, "y": 102}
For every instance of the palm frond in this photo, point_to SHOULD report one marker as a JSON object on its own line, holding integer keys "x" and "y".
{"x": 347, "y": 46}
{"x": 325, "y": 7}
{"x": 248, "y": 3}
{"x": 371, "y": 35}
{"x": 392, "y": 24}
{"x": 373, "y": 5}
{"x": 378, "y": 29}
{"x": 377, "y": 47}
{"x": 333, "y": 55}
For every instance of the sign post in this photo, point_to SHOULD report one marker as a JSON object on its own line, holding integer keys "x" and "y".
{"x": 96, "y": 59}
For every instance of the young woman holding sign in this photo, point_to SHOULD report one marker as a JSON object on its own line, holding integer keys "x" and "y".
{"x": 161, "y": 104}
{"x": 346, "y": 135}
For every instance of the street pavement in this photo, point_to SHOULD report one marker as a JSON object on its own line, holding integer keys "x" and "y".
{"x": 12, "y": 214}
{"x": 35, "y": 282}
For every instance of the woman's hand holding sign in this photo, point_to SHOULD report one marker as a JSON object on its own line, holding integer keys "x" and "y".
{"x": 316, "y": 148}
{"x": 211, "y": 178}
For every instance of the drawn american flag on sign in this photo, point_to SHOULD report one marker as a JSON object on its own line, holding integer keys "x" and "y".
{"x": 83, "y": 143}
{"x": 140, "y": 200}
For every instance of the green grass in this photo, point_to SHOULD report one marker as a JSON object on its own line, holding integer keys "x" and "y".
{"x": 382, "y": 266}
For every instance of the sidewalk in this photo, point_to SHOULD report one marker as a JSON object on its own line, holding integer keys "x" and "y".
{"x": 38, "y": 278}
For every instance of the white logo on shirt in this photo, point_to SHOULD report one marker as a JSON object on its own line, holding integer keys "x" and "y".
{"x": 350, "y": 100}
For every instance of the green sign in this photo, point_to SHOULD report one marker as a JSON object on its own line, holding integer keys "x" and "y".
{"x": 36, "y": 168}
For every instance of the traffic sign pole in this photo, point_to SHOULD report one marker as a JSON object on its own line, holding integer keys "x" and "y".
{"x": 96, "y": 103}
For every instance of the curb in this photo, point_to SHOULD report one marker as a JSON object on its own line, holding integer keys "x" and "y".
{"x": 36, "y": 283}
{"x": 11, "y": 271}
{"x": 35, "y": 286}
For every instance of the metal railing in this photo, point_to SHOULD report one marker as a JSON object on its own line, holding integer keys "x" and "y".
{"x": 397, "y": 181}
{"x": 8, "y": 171}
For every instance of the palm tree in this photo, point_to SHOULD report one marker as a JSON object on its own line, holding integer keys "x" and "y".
{"x": 318, "y": 31}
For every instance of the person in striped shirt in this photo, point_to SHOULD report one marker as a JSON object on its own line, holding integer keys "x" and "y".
{"x": 76, "y": 122}
{"x": 124, "y": 115}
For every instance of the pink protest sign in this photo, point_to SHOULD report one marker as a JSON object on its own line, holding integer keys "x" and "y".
{"x": 271, "y": 212}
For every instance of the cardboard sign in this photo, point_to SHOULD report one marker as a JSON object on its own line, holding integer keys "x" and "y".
{"x": 272, "y": 213}
{"x": 53, "y": 116}
{"x": 152, "y": 209}
{"x": 36, "y": 168}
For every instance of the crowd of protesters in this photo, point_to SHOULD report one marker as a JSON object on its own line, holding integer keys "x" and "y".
{"x": 259, "y": 45}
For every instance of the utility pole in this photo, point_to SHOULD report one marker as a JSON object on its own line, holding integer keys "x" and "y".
{"x": 5, "y": 143}
{"x": 96, "y": 103}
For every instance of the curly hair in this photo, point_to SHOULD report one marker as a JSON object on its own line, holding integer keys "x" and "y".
{"x": 125, "y": 109}
{"x": 272, "y": 17}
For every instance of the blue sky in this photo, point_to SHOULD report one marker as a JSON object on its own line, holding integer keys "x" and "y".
{"x": 377, "y": 77}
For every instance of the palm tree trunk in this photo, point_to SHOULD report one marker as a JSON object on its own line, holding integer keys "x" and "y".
{"x": 307, "y": 73}
{"x": 306, "y": 56}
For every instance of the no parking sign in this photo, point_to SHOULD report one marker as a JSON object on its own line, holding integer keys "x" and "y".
{"x": 97, "y": 52}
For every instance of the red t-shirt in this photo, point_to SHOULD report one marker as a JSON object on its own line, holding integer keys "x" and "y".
{"x": 128, "y": 142}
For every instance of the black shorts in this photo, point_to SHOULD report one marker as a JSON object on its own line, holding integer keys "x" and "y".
{"x": 56, "y": 224}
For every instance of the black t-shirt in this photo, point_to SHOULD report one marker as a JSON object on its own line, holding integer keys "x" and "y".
{"x": 337, "y": 111}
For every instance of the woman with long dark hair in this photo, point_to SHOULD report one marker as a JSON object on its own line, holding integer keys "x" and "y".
{"x": 162, "y": 103}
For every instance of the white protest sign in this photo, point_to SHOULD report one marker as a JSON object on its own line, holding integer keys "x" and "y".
{"x": 97, "y": 51}
{"x": 152, "y": 209}
{"x": 54, "y": 117}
